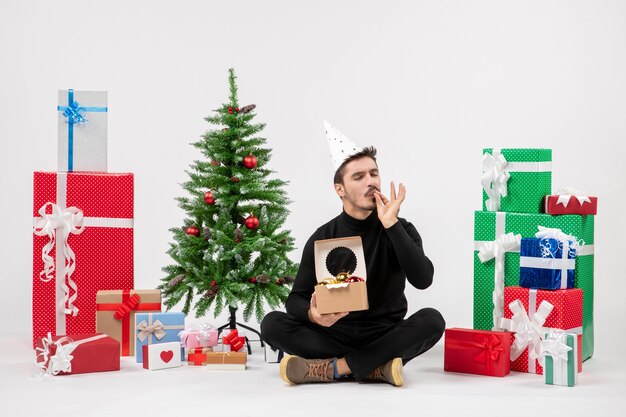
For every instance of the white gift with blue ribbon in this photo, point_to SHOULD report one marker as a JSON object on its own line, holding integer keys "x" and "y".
{"x": 82, "y": 130}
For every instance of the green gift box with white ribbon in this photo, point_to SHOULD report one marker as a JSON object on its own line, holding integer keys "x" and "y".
{"x": 496, "y": 241}
{"x": 560, "y": 350}
{"x": 516, "y": 180}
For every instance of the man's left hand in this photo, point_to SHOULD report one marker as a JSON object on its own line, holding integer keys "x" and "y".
{"x": 388, "y": 208}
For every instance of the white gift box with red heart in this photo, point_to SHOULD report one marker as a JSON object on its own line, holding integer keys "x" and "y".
{"x": 161, "y": 356}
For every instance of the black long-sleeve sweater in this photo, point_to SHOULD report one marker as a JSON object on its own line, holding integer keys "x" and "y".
{"x": 391, "y": 256}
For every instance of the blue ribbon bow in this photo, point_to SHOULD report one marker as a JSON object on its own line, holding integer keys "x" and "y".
{"x": 73, "y": 113}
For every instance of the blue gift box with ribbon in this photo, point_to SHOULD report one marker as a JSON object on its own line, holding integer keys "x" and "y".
{"x": 547, "y": 263}
{"x": 82, "y": 122}
{"x": 153, "y": 328}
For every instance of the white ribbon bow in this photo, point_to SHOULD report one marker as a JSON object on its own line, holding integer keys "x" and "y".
{"x": 145, "y": 330}
{"x": 504, "y": 243}
{"x": 494, "y": 179}
{"x": 65, "y": 221}
{"x": 555, "y": 345}
{"x": 528, "y": 331}
{"x": 496, "y": 249}
{"x": 61, "y": 361}
{"x": 566, "y": 193}
{"x": 567, "y": 243}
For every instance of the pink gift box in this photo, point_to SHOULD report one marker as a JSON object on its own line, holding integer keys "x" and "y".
{"x": 195, "y": 338}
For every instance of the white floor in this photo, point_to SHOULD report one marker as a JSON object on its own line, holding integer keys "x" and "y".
{"x": 259, "y": 391}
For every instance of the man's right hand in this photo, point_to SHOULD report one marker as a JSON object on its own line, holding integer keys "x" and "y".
{"x": 325, "y": 320}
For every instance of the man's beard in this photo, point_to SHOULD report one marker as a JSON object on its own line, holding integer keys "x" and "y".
{"x": 369, "y": 204}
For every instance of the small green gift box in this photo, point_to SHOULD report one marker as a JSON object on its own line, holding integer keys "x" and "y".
{"x": 516, "y": 180}
{"x": 560, "y": 352}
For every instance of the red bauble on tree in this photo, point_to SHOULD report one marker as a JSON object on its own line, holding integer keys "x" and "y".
{"x": 193, "y": 231}
{"x": 209, "y": 198}
{"x": 234, "y": 179}
{"x": 252, "y": 222}
{"x": 230, "y": 110}
{"x": 249, "y": 161}
{"x": 253, "y": 280}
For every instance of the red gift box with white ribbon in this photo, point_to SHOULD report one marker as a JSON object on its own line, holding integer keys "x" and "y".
{"x": 530, "y": 313}
{"x": 82, "y": 243}
{"x": 570, "y": 201}
{"x": 77, "y": 354}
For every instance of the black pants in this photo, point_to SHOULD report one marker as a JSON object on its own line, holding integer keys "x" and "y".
{"x": 364, "y": 345}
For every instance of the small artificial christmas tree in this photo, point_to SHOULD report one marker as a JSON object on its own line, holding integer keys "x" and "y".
{"x": 230, "y": 251}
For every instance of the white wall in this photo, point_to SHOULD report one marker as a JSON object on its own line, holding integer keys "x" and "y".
{"x": 430, "y": 83}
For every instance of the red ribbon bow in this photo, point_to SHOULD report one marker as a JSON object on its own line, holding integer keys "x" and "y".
{"x": 490, "y": 346}
{"x": 235, "y": 341}
{"x": 126, "y": 307}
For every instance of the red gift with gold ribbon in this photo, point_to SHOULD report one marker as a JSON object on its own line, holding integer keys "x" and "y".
{"x": 480, "y": 352}
{"x": 115, "y": 314}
